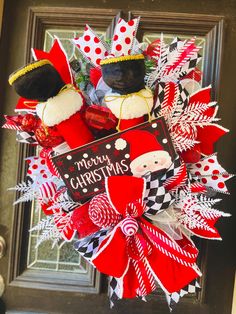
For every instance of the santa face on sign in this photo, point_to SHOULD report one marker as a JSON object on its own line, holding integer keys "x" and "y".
{"x": 146, "y": 153}
{"x": 150, "y": 162}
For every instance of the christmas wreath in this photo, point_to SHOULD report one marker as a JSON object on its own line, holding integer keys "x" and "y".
{"x": 126, "y": 164}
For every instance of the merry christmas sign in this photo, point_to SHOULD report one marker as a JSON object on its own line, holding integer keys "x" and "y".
{"x": 135, "y": 151}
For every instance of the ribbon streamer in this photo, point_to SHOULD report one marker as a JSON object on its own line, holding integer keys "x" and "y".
{"x": 134, "y": 249}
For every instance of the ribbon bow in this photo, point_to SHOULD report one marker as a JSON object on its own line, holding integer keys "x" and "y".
{"x": 137, "y": 253}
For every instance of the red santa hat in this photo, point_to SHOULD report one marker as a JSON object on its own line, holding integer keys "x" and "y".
{"x": 140, "y": 141}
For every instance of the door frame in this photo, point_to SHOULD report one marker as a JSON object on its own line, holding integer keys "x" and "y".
{"x": 42, "y": 18}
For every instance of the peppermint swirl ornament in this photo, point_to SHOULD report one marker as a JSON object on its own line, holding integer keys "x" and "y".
{"x": 101, "y": 212}
{"x": 129, "y": 226}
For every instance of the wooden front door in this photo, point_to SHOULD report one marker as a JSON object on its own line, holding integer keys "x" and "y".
{"x": 58, "y": 281}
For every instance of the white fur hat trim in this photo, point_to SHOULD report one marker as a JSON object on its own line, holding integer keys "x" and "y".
{"x": 60, "y": 107}
{"x": 134, "y": 106}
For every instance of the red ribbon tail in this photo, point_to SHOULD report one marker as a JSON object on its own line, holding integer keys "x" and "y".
{"x": 145, "y": 278}
{"x": 111, "y": 258}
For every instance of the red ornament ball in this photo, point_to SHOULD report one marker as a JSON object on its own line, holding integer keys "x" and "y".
{"x": 48, "y": 136}
{"x": 29, "y": 122}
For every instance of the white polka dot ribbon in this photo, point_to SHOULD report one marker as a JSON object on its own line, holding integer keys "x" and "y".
{"x": 210, "y": 173}
{"x": 91, "y": 46}
{"x": 94, "y": 50}
{"x": 123, "y": 38}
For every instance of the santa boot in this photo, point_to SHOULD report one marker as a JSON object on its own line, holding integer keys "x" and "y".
{"x": 129, "y": 100}
{"x": 59, "y": 104}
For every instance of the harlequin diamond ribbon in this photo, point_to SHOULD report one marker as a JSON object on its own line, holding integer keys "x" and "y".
{"x": 136, "y": 252}
{"x": 26, "y": 137}
{"x": 157, "y": 196}
{"x": 173, "y": 298}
